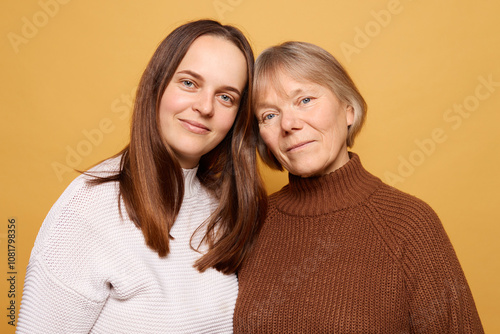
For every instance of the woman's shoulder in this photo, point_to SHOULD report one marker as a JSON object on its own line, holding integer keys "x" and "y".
{"x": 82, "y": 202}
{"x": 82, "y": 192}
{"x": 405, "y": 217}
{"x": 391, "y": 200}
{"x": 109, "y": 166}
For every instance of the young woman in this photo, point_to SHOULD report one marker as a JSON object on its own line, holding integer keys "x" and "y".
{"x": 149, "y": 241}
{"x": 340, "y": 251}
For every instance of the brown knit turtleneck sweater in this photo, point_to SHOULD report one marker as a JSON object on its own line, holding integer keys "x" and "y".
{"x": 345, "y": 253}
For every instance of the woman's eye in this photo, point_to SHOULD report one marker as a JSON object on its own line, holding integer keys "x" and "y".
{"x": 187, "y": 83}
{"x": 306, "y": 100}
{"x": 269, "y": 116}
{"x": 225, "y": 98}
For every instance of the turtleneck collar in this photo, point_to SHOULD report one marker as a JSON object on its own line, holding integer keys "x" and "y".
{"x": 345, "y": 187}
{"x": 191, "y": 182}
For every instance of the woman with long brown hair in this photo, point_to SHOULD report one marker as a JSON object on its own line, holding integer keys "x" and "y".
{"x": 149, "y": 240}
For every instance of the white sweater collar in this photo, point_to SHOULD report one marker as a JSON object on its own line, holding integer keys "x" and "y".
{"x": 191, "y": 182}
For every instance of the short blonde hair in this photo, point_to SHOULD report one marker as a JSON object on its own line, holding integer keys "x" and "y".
{"x": 306, "y": 62}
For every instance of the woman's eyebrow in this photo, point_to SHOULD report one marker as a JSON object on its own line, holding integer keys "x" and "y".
{"x": 264, "y": 105}
{"x": 232, "y": 89}
{"x": 198, "y": 77}
{"x": 294, "y": 93}
{"x": 291, "y": 95}
{"x": 193, "y": 74}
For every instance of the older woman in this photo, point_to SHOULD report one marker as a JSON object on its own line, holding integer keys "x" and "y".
{"x": 340, "y": 252}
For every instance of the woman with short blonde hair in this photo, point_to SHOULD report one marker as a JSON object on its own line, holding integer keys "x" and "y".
{"x": 340, "y": 251}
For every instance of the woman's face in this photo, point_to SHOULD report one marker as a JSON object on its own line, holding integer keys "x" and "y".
{"x": 201, "y": 101}
{"x": 305, "y": 126}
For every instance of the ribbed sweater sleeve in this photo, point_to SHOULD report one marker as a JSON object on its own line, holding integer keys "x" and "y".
{"x": 439, "y": 297}
{"x": 67, "y": 281}
{"x": 50, "y": 304}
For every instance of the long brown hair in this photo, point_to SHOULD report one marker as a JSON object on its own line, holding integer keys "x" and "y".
{"x": 151, "y": 179}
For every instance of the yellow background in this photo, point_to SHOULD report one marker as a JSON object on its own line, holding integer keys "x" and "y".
{"x": 68, "y": 73}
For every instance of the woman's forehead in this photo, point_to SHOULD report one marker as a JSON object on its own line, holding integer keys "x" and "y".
{"x": 283, "y": 83}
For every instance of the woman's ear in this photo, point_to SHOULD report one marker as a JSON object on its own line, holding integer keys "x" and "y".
{"x": 349, "y": 115}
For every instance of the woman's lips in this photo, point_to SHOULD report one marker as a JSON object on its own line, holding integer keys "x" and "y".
{"x": 298, "y": 146}
{"x": 194, "y": 127}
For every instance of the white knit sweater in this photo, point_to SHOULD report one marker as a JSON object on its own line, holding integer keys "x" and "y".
{"x": 92, "y": 272}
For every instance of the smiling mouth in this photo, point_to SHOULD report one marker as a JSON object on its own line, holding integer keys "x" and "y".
{"x": 194, "y": 127}
{"x": 298, "y": 146}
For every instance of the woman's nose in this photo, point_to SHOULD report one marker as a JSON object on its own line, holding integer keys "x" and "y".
{"x": 204, "y": 104}
{"x": 290, "y": 121}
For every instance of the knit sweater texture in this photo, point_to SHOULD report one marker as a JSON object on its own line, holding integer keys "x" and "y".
{"x": 91, "y": 271}
{"x": 346, "y": 253}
